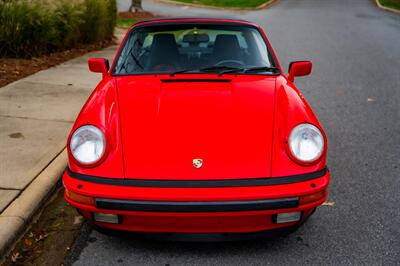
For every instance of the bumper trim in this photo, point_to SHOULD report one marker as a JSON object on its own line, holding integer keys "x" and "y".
{"x": 202, "y": 237}
{"x": 214, "y": 183}
{"x": 194, "y": 206}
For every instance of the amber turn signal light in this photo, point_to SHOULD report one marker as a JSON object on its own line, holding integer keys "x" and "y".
{"x": 79, "y": 198}
{"x": 312, "y": 197}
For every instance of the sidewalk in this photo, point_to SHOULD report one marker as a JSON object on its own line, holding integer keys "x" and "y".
{"x": 163, "y": 9}
{"x": 36, "y": 115}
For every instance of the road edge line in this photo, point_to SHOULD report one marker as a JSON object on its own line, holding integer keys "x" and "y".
{"x": 16, "y": 218}
{"x": 262, "y": 6}
{"x": 386, "y": 8}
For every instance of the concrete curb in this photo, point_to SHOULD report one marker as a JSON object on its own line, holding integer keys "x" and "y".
{"x": 386, "y": 8}
{"x": 19, "y": 214}
{"x": 265, "y": 5}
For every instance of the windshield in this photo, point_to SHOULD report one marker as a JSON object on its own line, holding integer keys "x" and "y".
{"x": 193, "y": 48}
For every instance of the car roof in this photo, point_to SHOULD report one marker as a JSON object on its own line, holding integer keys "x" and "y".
{"x": 177, "y": 20}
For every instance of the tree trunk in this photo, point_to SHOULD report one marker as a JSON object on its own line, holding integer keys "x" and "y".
{"x": 136, "y": 6}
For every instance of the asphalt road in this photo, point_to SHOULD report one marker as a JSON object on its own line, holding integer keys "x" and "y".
{"x": 355, "y": 91}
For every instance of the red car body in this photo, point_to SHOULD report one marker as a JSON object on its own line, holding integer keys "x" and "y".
{"x": 238, "y": 124}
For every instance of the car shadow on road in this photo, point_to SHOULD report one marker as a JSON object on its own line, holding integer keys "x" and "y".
{"x": 122, "y": 245}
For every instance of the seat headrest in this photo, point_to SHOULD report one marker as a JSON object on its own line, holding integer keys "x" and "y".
{"x": 225, "y": 39}
{"x": 226, "y": 47}
{"x": 164, "y": 41}
{"x": 163, "y": 51}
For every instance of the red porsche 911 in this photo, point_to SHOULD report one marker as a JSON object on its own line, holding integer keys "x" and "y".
{"x": 195, "y": 133}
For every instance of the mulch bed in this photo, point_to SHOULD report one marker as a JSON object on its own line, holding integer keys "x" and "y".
{"x": 12, "y": 69}
{"x": 49, "y": 238}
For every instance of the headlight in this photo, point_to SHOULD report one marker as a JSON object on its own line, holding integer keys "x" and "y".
{"x": 87, "y": 144}
{"x": 306, "y": 143}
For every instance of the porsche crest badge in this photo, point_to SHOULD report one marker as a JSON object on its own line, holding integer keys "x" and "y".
{"x": 197, "y": 163}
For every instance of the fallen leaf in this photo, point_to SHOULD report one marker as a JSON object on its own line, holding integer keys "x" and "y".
{"x": 77, "y": 220}
{"x": 40, "y": 237}
{"x": 57, "y": 225}
{"x": 15, "y": 257}
{"x": 28, "y": 242}
{"x": 328, "y": 203}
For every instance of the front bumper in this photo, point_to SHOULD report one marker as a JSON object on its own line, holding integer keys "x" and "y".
{"x": 192, "y": 208}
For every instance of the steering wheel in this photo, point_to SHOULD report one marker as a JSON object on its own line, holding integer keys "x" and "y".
{"x": 229, "y": 62}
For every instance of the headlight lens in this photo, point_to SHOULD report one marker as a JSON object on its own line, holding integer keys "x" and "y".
{"x": 306, "y": 143}
{"x": 87, "y": 144}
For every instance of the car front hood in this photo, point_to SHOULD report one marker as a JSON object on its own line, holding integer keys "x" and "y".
{"x": 225, "y": 122}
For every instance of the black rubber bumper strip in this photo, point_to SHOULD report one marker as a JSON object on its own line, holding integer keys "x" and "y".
{"x": 246, "y": 182}
{"x": 197, "y": 206}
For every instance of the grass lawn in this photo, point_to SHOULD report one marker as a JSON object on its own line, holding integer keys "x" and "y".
{"x": 227, "y": 3}
{"x": 125, "y": 22}
{"x": 391, "y": 3}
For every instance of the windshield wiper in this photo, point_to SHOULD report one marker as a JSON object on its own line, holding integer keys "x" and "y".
{"x": 218, "y": 69}
{"x": 227, "y": 69}
{"x": 251, "y": 70}
{"x": 181, "y": 71}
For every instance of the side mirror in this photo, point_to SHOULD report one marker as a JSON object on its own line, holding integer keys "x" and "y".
{"x": 298, "y": 69}
{"x": 99, "y": 65}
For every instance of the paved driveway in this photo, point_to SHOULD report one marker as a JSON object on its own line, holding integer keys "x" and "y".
{"x": 355, "y": 90}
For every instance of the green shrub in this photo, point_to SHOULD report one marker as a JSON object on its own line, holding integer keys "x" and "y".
{"x": 34, "y": 27}
{"x": 66, "y": 22}
{"x": 100, "y": 20}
